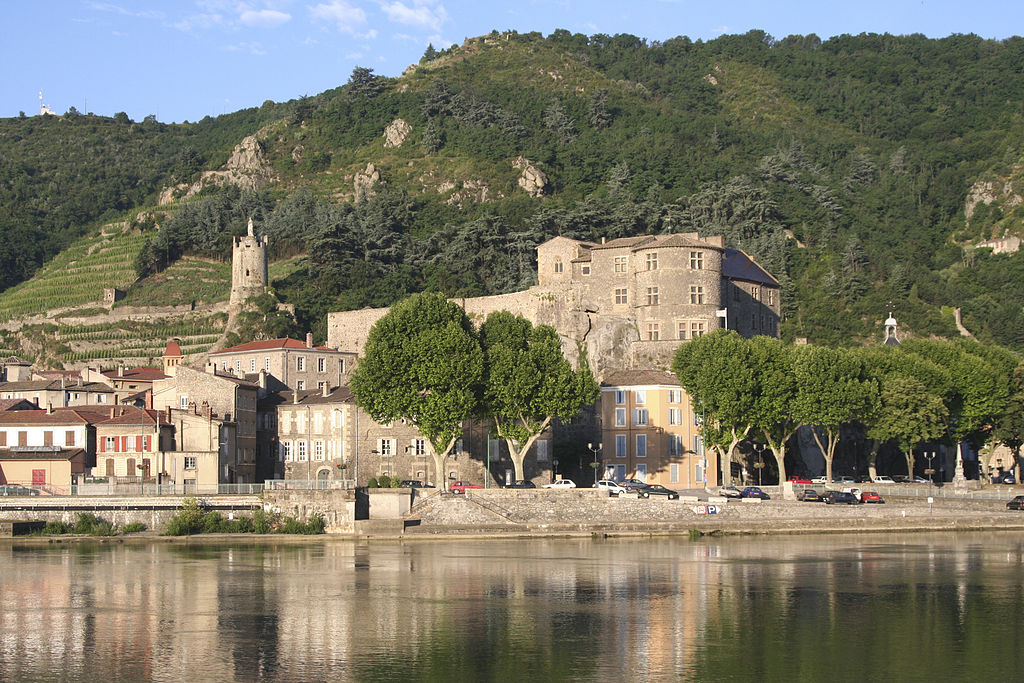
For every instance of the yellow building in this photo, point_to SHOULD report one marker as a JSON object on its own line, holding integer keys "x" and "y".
{"x": 650, "y": 432}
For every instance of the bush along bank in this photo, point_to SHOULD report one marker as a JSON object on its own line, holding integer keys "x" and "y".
{"x": 88, "y": 524}
{"x": 193, "y": 520}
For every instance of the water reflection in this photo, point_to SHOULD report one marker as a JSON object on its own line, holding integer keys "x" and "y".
{"x": 802, "y": 608}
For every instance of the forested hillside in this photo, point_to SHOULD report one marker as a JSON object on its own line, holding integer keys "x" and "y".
{"x": 845, "y": 166}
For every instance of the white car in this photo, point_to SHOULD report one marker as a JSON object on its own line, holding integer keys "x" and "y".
{"x": 561, "y": 484}
{"x": 819, "y": 480}
{"x": 882, "y": 479}
{"x": 609, "y": 486}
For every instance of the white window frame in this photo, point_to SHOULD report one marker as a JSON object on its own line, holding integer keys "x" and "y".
{"x": 640, "y": 397}
{"x": 641, "y": 417}
{"x": 190, "y": 462}
{"x": 300, "y": 363}
{"x": 675, "y": 416}
{"x": 300, "y": 450}
{"x": 620, "y": 397}
{"x": 620, "y": 417}
{"x": 641, "y": 445}
{"x": 620, "y": 446}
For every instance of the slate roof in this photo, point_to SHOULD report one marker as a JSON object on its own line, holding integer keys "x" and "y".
{"x": 739, "y": 266}
{"x": 61, "y": 454}
{"x": 632, "y": 378}
{"x": 16, "y": 404}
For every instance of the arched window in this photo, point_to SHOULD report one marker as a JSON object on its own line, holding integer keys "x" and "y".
{"x": 558, "y": 265}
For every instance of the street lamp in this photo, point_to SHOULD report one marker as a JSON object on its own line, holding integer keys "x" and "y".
{"x": 595, "y": 450}
{"x": 928, "y": 455}
{"x": 759, "y": 465}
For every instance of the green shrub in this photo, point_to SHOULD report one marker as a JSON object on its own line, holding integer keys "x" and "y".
{"x": 261, "y": 522}
{"x": 133, "y": 528}
{"x": 315, "y": 525}
{"x": 56, "y": 528}
{"x": 239, "y": 525}
{"x": 188, "y": 521}
{"x": 89, "y": 524}
{"x": 212, "y": 523}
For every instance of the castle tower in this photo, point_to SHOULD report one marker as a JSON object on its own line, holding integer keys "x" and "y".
{"x": 248, "y": 267}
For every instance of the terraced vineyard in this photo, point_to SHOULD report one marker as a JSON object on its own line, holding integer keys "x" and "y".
{"x": 189, "y": 281}
{"x": 77, "y": 276}
{"x": 136, "y": 342}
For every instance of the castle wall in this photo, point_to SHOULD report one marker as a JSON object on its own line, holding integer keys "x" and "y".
{"x": 248, "y": 268}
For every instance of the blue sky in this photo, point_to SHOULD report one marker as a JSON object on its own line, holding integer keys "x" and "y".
{"x": 185, "y": 59}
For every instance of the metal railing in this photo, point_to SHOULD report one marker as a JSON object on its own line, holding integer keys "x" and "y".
{"x": 308, "y": 484}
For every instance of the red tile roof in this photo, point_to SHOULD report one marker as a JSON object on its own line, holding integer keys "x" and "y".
{"x": 16, "y": 404}
{"x": 269, "y": 344}
{"x": 137, "y": 374}
{"x": 172, "y": 349}
{"x": 65, "y": 416}
{"x": 627, "y": 378}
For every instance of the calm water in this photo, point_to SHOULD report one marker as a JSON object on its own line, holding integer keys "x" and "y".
{"x": 933, "y": 608}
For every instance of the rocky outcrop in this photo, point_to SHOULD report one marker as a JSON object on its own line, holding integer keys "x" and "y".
{"x": 363, "y": 182}
{"x": 396, "y": 133}
{"x": 247, "y": 168}
{"x": 999, "y": 191}
{"x": 532, "y": 178}
{"x": 471, "y": 190}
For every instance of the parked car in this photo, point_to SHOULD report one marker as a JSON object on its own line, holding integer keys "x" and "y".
{"x": 845, "y": 479}
{"x": 461, "y": 486}
{"x": 17, "y": 490}
{"x": 921, "y": 480}
{"x": 754, "y": 492}
{"x": 657, "y": 490}
{"x": 901, "y": 478}
{"x": 841, "y": 498}
{"x": 521, "y": 484}
{"x": 871, "y": 497}
{"x": 730, "y": 492}
{"x": 819, "y": 480}
{"x": 1016, "y": 503}
{"x": 609, "y": 486}
{"x": 799, "y": 480}
{"x": 1008, "y": 478}
{"x": 414, "y": 484}
{"x": 882, "y": 479}
{"x": 632, "y": 485}
{"x": 561, "y": 484}
{"x": 809, "y": 496}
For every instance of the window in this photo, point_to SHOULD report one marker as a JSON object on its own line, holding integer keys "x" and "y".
{"x": 300, "y": 363}
{"x": 640, "y": 397}
{"x": 771, "y": 296}
{"x": 640, "y": 416}
{"x": 321, "y": 364}
{"x": 320, "y": 386}
{"x": 238, "y": 365}
{"x": 419, "y": 447}
{"x": 252, "y": 365}
{"x": 696, "y": 329}
{"x": 735, "y": 293}
{"x": 3, "y": 439}
{"x": 387, "y": 447}
{"x": 47, "y": 438}
{"x": 755, "y": 292}
{"x": 300, "y": 450}
{"x": 620, "y": 397}
{"x": 586, "y": 270}
{"x": 100, "y": 398}
{"x": 110, "y": 443}
{"x": 620, "y": 264}
{"x": 753, "y": 321}
{"x": 190, "y": 462}
{"x": 696, "y": 260}
{"x": 652, "y": 261}
{"x": 641, "y": 445}
{"x": 675, "y": 444}
{"x": 300, "y": 384}
{"x": 620, "y": 417}
{"x": 683, "y": 326}
{"x": 22, "y": 438}
{"x": 675, "y": 416}
{"x": 698, "y": 445}
{"x": 184, "y": 402}
{"x": 341, "y": 365}
{"x": 620, "y": 296}
{"x": 696, "y": 294}
{"x": 641, "y": 472}
{"x": 69, "y": 438}
{"x": 699, "y": 473}
{"x": 653, "y": 331}
{"x": 266, "y": 363}
{"x": 652, "y": 296}
{"x": 673, "y": 473}
{"x": 675, "y": 395}
{"x": 286, "y": 450}
{"x": 318, "y": 449}
{"x": 558, "y": 265}
{"x": 542, "y": 450}
{"x": 620, "y": 445}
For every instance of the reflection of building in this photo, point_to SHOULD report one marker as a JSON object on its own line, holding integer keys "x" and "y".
{"x": 650, "y": 431}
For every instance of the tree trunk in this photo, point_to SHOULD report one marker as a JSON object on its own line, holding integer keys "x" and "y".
{"x": 910, "y": 464}
{"x": 872, "y": 459}
{"x": 725, "y": 462}
{"x": 440, "y": 456}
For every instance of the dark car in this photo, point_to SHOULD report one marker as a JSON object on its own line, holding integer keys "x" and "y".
{"x": 809, "y": 496}
{"x": 754, "y": 492}
{"x": 841, "y": 498}
{"x": 656, "y": 490}
{"x": 17, "y": 490}
{"x": 414, "y": 484}
{"x": 871, "y": 497}
{"x": 632, "y": 485}
{"x": 1008, "y": 478}
{"x": 1017, "y": 503}
{"x": 521, "y": 484}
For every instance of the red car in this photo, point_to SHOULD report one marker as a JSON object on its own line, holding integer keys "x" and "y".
{"x": 870, "y": 497}
{"x": 461, "y": 486}
{"x": 799, "y": 480}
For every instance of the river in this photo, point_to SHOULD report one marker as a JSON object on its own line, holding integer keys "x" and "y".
{"x": 787, "y": 608}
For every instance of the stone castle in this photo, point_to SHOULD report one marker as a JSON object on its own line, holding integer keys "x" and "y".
{"x": 248, "y": 267}
{"x": 629, "y": 302}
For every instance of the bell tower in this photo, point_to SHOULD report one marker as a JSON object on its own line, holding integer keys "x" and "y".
{"x": 248, "y": 266}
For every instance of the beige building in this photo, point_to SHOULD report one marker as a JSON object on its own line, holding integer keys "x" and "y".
{"x": 629, "y": 302}
{"x": 288, "y": 363}
{"x": 130, "y": 443}
{"x": 650, "y": 432}
{"x": 44, "y": 449}
{"x": 60, "y": 393}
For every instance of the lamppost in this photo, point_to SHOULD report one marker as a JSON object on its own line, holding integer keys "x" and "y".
{"x": 928, "y": 455}
{"x": 759, "y": 465}
{"x": 595, "y": 450}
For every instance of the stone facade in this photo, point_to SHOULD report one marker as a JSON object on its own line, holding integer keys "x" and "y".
{"x": 288, "y": 363}
{"x": 630, "y": 302}
{"x": 248, "y": 267}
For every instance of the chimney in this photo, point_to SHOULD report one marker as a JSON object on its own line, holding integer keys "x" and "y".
{"x": 295, "y": 395}
{"x": 327, "y": 390}
{"x": 168, "y": 413}
{"x": 148, "y": 399}
{"x": 49, "y": 409}
{"x": 120, "y": 371}
{"x": 263, "y": 379}
{"x": 113, "y": 412}
{"x": 206, "y": 411}
{"x": 602, "y": 240}
{"x": 309, "y": 340}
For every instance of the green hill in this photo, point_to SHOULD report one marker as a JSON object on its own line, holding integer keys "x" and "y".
{"x": 844, "y": 165}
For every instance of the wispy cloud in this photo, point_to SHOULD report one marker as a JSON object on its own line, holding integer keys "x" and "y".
{"x": 124, "y": 11}
{"x": 347, "y": 18}
{"x": 421, "y": 13}
{"x": 252, "y": 48}
{"x": 200, "y": 21}
{"x": 264, "y": 18}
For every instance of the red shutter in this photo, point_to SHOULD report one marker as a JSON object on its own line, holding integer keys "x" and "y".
{"x": 103, "y": 443}
{"x": 138, "y": 443}
{"x": 124, "y": 444}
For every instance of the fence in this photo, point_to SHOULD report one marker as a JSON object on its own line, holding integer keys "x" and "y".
{"x": 148, "y": 488}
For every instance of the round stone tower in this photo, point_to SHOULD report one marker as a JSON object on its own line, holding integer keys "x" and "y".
{"x": 248, "y": 267}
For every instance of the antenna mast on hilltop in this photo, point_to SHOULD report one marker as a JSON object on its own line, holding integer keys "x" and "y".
{"x": 43, "y": 109}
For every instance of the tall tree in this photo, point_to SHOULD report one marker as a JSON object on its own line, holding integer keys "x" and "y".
{"x": 909, "y": 414}
{"x": 776, "y": 393}
{"x": 717, "y": 371}
{"x": 833, "y": 388}
{"x": 528, "y": 381}
{"x": 423, "y": 363}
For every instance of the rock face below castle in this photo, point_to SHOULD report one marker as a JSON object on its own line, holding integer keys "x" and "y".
{"x": 629, "y": 302}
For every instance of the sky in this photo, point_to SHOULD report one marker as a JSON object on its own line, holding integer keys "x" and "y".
{"x": 181, "y": 60}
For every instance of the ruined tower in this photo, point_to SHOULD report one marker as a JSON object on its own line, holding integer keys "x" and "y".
{"x": 248, "y": 267}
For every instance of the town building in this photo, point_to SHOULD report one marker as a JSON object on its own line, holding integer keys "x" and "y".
{"x": 288, "y": 363}
{"x": 46, "y": 449}
{"x": 60, "y": 393}
{"x": 126, "y": 382}
{"x": 651, "y": 432}
{"x": 130, "y": 443}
